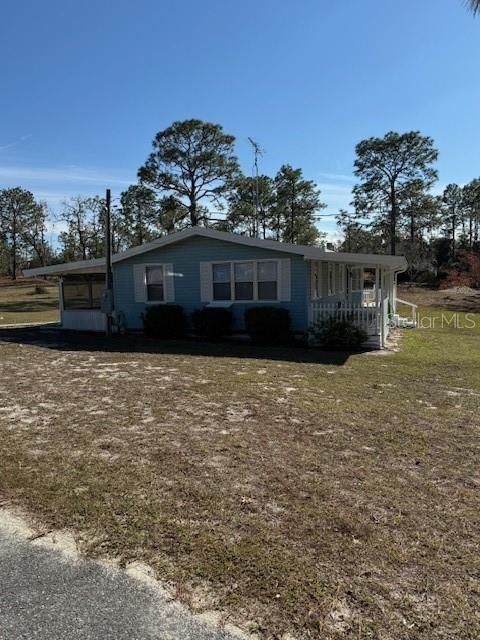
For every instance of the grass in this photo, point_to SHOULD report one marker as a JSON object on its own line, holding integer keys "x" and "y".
{"x": 324, "y": 496}
{"x": 28, "y": 300}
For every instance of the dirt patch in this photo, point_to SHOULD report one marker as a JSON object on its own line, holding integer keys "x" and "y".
{"x": 455, "y": 298}
{"x": 311, "y": 498}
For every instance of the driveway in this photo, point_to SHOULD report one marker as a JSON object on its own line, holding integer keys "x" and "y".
{"x": 46, "y": 594}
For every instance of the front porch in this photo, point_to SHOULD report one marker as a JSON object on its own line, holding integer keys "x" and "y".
{"x": 364, "y": 294}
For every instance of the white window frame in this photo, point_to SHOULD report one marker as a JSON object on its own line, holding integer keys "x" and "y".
{"x": 164, "y": 271}
{"x": 336, "y": 279}
{"x": 255, "y": 262}
{"x": 356, "y": 274}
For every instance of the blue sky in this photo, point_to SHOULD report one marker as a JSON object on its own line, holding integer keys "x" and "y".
{"x": 85, "y": 85}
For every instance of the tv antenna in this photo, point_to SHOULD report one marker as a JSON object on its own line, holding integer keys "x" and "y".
{"x": 257, "y": 153}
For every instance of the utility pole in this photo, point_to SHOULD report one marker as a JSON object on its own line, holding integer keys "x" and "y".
{"x": 257, "y": 151}
{"x": 108, "y": 265}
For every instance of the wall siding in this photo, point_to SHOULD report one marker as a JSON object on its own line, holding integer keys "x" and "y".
{"x": 185, "y": 257}
{"x": 83, "y": 319}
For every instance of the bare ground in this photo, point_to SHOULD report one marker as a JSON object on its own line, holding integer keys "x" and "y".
{"x": 323, "y": 496}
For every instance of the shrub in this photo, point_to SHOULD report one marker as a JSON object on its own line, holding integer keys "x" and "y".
{"x": 338, "y": 334}
{"x": 165, "y": 321}
{"x": 268, "y": 325}
{"x": 212, "y": 323}
{"x": 40, "y": 289}
{"x": 466, "y": 275}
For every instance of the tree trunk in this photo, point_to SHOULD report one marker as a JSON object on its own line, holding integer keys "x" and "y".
{"x": 139, "y": 229}
{"x": 393, "y": 219}
{"x": 14, "y": 246}
{"x": 454, "y": 224}
{"x": 193, "y": 212}
{"x": 264, "y": 224}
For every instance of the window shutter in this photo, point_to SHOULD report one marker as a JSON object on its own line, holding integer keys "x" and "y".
{"x": 169, "y": 283}
{"x": 139, "y": 283}
{"x": 206, "y": 282}
{"x": 284, "y": 281}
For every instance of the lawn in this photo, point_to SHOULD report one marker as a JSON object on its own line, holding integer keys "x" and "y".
{"x": 28, "y": 300}
{"x": 294, "y": 491}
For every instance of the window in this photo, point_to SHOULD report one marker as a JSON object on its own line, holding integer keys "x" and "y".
{"x": 336, "y": 278}
{"x": 97, "y": 288}
{"x": 83, "y": 292}
{"x": 267, "y": 281}
{"x": 221, "y": 281}
{"x": 155, "y": 283}
{"x": 356, "y": 275}
{"x": 245, "y": 281}
{"x": 243, "y": 272}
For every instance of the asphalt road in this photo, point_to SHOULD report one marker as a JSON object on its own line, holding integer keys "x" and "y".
{"x": 46, "y": 595}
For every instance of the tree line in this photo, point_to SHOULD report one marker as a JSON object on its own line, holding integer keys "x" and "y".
{"x": 192, "y": 177}
{"x": 394, "y": 209}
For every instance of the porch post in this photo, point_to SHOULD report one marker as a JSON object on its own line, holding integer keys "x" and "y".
{"x": 382, "y": 308}
{"x": 310, "y": 285}
{"x": 378, "y": 304}
{"x": 60, "y": 299}
{"x": 394, "y": 293}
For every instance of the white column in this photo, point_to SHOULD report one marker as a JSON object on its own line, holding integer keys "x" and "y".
{"x": 382, "y": 308}
{"x": 310, "y": 292}
{"x": 378, "y": 305}
{"x": 60, "y": 299}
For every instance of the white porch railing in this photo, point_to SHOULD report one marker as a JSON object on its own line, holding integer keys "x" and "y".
{"x": 368, "y": 318}
{"x": 411, "y": 320}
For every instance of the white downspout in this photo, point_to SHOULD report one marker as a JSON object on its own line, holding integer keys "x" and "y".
{"x": 382, "y": 307}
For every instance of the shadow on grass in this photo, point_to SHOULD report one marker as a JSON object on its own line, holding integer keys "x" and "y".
{"x": 61, "y": 340}
{"x": 22, "y": 306}
{"x": 467, "y": 304}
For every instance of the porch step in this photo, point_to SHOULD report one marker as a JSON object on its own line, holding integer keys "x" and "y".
{"x": 403, "y": 323}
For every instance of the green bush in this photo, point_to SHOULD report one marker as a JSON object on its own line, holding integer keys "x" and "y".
{"x": 165, "y": 321}
{"x": 268, "y": 325}
{"x": 338, "y": 334}
{"x": 212, "y": 323}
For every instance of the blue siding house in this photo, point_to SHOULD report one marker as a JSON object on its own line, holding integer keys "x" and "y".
{"x": 200, "y": 267}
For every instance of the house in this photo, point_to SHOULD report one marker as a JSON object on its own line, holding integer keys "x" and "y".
{"x": 198, "y": 266}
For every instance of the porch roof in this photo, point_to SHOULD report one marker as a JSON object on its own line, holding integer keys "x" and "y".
{"x": 80, "y": 266}
{"x": 395, "y": 263}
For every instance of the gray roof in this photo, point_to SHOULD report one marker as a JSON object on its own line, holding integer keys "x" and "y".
{"x": 308, "y": 252}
